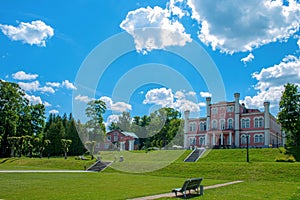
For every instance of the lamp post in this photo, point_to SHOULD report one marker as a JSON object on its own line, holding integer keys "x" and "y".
{"x": 247, "y": 138}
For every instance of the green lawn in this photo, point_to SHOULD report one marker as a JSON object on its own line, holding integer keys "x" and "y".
{"x": 85, "y": 185}
{"x": 44, "y": 163}
{"x": 263, "y": 177}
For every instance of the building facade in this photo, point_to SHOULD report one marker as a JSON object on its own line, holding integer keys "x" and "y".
{"x": 230, "y": 124}
{"x": 118, "y": 140}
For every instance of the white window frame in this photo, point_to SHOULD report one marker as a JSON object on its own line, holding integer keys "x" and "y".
{"x": 202, "y": 126}
{"x": 222, "y": 124}
{"x": 244, "y": 139}
{"x": 230, "y": 125}
{"x": 192, "y": 141}
{"x": 258, "y": 122}
{"x": 192, "y": 127}
{"x": 202, "y": 140}
{"x": 214, "y": 111}
{"x": 245, "y": 122}
{"x": 258, "y": 138}
{"x": 214, "y": 124}
{"x": 116, "y": 137}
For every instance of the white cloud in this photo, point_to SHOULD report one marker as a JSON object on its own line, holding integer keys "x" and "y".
{"x": 120, "y": 107}
{"x": 205, "y": 94}
{"x": 230, "y": 26}
{"x": 191, "y": 93}
{"x": 33, "y": 99}
{"x": 21, "y": 75}
{"x": 248, "y": 58}
{"x": 34, "y": 33}
{"x": 175, "y": 8}
{"x": 159, "y": 96}
{"x": 233, "y": 26}
{"x": 271, "y": 82}
{"x": 165, "y": 98}
{"x": 46, "y": 104}
{"x": 35, "y": 86}
{"x": 67, "y": 84}
{"x": 32, "y": 86}
{"x": 272, "y": 95}
{"x": 46, "y": 89}
{"x": 53, "y": 84}
{"x": 183, "y": 105}
{"x": 53, "y": 111}
{"x": 202, "y": 104}
{"x": 110, "y": 119}
{"x": 115, "y": 106}
{"x": 286, "y": 71}
{"x": 153, "y": 28}
{"x": 298, "y": 42}
{"x": 179, "y": 95}
{"x": 84, "y": 99}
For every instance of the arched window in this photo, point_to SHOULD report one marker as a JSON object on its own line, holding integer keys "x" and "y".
{"x": 202, "y": 126}
{"x": 258, "y": 122}
{"x": 244, "y": 139}
{"x": 202, "y": 140}
{"x": 222, "y": 124}
{"x": 214, "y": 124}
{"x": 259, "y": 138}
{"x": 230, "y": 123}
{"x": 192, "y": 127}
{"x": 245, "y": 123}
{"x": 192, "y": 141}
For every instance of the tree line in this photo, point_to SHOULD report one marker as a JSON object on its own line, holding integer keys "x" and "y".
{"x": 162, "y": 128}
{"x": 24, "y": 131}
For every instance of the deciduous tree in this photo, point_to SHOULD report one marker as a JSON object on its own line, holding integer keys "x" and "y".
{"x": 289, "y": 113}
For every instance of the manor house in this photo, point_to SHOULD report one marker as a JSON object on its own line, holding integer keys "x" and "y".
{"x": 229, "y": 124}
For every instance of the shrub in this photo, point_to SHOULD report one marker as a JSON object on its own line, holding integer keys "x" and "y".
{"x": 287, "y": 158}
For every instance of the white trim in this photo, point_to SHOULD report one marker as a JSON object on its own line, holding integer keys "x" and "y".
{"x": 212, "y": 123}
{"x": 245, "y": 119}
{"x": 231, "y": 123}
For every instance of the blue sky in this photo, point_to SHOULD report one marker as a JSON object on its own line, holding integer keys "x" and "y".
{"x": 158, "y": 53}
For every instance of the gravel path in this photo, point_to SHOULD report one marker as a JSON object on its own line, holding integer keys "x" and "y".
{"x": 173, "y": 195}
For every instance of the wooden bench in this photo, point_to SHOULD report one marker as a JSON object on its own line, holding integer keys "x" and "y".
{"x": 190, "y": 184}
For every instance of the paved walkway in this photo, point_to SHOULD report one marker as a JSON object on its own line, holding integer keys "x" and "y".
{"x": 43, "y": 171}
{"x": 173, "y": 195}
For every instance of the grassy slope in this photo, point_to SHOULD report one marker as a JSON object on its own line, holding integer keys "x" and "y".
{"x": 264, "y": 179}
{"x": 230, "y": 164}
{"x": 44, "y": 163}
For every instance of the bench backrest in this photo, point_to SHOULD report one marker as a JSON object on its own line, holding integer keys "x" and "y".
{"x": 193, "y": 183}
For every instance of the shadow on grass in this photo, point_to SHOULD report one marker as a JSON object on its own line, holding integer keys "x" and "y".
{"x": 188, "y": 196}
{"x": 10, "y": 160}
{"x": 295, "y": 151}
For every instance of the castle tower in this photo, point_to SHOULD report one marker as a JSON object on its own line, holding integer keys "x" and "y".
{"x": 267, "y": 122}
{"x": 186, "y": 127}
{"x": 208, "y": 102}
{"x": 237, "y": 119}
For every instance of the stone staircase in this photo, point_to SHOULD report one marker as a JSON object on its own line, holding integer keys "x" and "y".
{"x": 98, "y": 166}
{"x": 195, "y": 155}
